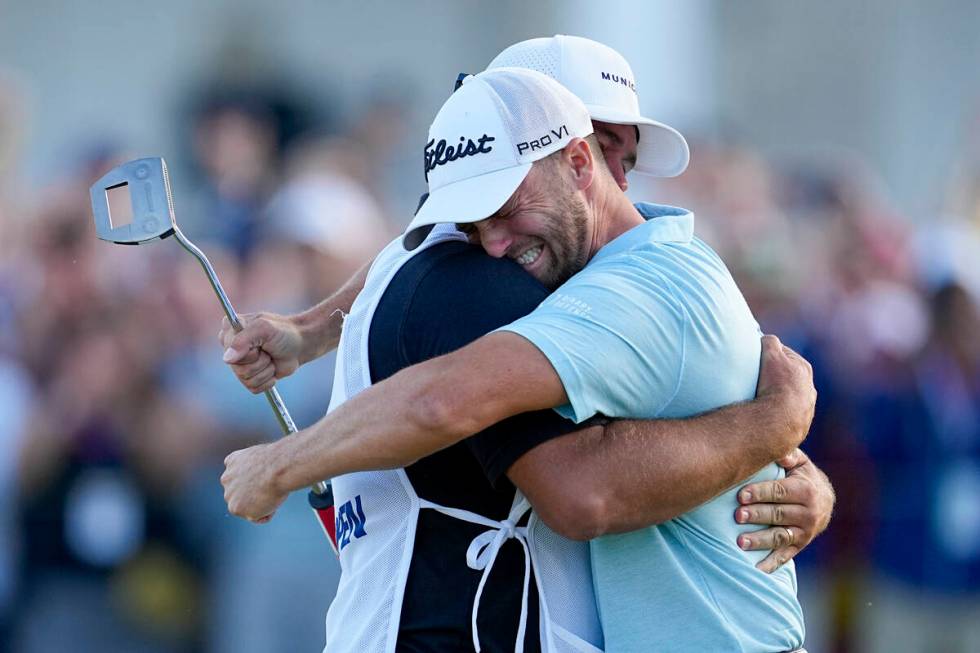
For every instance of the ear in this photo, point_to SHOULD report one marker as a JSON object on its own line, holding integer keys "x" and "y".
{"x": 580, "y": 162}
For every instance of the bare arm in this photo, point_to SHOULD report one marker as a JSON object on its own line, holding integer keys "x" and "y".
{"x": 414, "y": 413}
{"x": 421, "y": 410}
{"x": 632, "y": 473}
{"x": 272, "y": 346}
{"x": 321, "y": 324}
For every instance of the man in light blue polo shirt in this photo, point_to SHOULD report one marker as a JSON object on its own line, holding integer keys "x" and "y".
{"x": 676, "y": 339}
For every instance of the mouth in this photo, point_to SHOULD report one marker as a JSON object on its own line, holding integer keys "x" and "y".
{"x": 529, "y": 256}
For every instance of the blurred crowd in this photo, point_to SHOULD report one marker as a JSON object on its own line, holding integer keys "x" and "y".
{"x": 117, "y": 411}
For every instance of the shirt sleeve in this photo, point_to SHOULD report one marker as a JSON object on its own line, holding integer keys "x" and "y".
{"x": 615, "y": 334}
{"x": 464, "y": 294}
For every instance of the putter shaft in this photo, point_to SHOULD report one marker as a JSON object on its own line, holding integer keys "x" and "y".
{"x": 282, "y": 414}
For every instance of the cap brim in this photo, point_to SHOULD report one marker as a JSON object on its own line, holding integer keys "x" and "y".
{"x": 662, "y": 151}
{"x": 468, "y": 200}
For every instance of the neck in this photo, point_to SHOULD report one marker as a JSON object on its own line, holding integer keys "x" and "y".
{"x": 614, "y": 216}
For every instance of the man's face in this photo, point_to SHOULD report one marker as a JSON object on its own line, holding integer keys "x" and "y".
{"x": 545, "y": 227}
{"x": 618, "y": 143}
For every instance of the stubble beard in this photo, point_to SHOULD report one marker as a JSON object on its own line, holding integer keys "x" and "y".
{"x": 568, "y": 241}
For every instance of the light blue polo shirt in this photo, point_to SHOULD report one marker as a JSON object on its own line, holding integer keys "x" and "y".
{"x": 654, "y": 326}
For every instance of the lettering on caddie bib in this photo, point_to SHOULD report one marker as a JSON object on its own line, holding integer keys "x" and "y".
{"x": 350, "y": 522}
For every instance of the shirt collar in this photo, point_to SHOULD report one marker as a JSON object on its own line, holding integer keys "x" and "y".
{"x": 664, "y": 224}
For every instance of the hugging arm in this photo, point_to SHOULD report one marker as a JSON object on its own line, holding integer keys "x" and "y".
{"x": 605, "y": 478}
{"x": 621, "y": 474}
{"x": 435, "y": 404}
{"x": 627, "y": 474}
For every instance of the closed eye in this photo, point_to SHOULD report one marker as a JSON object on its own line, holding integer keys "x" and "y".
{"x": 470, "y": 230}
{"x": 629, "y": 163}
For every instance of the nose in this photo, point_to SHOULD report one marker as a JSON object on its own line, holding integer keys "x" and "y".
{"x": 617, "y": 169}
{"x": 619, "y": 174}
{"x": 494, "y": 237}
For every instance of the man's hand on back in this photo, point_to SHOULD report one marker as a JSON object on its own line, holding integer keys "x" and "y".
{"x": 797, "y": 509}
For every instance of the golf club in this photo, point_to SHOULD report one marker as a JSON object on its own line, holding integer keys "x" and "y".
{"x": 133, "y": 205}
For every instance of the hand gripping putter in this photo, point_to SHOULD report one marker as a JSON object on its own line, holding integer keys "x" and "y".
{"x": 133, "y": 205}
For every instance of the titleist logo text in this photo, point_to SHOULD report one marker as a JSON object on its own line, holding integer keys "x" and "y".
{"x": 441, "y": 153}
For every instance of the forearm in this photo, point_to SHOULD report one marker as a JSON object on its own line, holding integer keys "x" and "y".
{"x": 321, "y": 325}
{"x": 652, "y": 471}
{"x": 387, "y": 434}
{"x": 421, "y": 410}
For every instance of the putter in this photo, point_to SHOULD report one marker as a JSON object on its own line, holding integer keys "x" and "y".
{"x": 133, "y": 205}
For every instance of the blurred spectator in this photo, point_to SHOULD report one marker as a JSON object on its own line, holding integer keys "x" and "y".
{"x": 323, "y": 206}
{"x": 18, "y": 401}
{"x": 386, "y": 161}
{"x": 946, "y": 252}
{"x": 923, "y": 428}
{"x": 240, "y": 129}
{"x": 964, "y": 196}
{"x": 236, "y": 145}
{"x": 14, "y": 255}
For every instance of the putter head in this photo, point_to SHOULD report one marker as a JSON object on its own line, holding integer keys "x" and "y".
{"x": 132, "y": 203}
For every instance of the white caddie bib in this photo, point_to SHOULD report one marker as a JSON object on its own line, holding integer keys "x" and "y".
{"x": 377, "y": 513}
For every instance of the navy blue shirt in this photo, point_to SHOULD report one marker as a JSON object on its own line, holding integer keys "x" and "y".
{"x": 442, "y": 299}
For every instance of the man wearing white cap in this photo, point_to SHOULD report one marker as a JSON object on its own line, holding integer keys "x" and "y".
{"x": 551, "y": 256}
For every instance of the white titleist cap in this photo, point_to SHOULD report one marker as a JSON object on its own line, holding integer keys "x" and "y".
{"x": 604, "y": 81}
{"x": 485, "y": 138}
